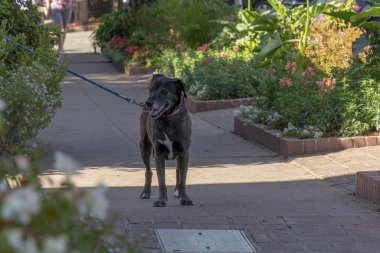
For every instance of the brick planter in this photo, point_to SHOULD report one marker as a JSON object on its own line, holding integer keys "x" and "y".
{"x": 132, "y": 71}
{"x": 293, "y": 146}
{"x": 195, "y": 106}
{"x": 368, "y": 185}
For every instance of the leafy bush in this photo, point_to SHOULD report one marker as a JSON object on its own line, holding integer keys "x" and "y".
{"x": 309, "y": 104}
{"x": 62, "y": 220}
{"x": 161, "y": 25}
{"x": 212, "y": 74}
{"x": 118, "y": 23}
{"x": 29, "y": 83}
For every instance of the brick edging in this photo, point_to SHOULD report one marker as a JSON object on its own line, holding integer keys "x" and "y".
{"x": 367, "y": 185}
{"x": 195, "y": 106}
{"x": 132, "y": 71}
{"x": 293, "y": 146}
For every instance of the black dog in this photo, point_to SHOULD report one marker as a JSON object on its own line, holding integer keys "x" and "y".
{"x": 165, "y": 128}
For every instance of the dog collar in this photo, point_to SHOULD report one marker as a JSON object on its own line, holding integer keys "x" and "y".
{"x": 175, "y": 111}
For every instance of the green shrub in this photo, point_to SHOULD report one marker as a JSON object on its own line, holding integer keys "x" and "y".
{"x": 212, "y": 74}
{"x": 118, "y": 23}
{"x": 61, "y": 220}
{"x": 29, "y": 84}
{"x": 347, "y": 105}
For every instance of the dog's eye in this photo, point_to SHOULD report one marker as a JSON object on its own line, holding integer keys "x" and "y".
{"x": 164, "y": 92}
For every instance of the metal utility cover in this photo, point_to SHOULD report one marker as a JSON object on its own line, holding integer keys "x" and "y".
{"x": 194, "y": 240}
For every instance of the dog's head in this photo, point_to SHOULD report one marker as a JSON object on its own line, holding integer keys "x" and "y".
{"x": 165, "y": 95}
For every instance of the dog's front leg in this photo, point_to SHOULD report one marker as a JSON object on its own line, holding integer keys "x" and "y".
{"x": 160, "y": 168}
{"x": 182, "y": 166}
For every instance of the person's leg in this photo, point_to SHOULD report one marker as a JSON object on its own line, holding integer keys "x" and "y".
{"x": 66, "y": 16}
{"x": 56, "y": 15}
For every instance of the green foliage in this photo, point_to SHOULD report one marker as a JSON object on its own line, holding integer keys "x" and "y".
{"x": 162, "y": 24}
{"x": 119, "y": 23}
{"x": 239, "y": 32}
{"x": 61, "y": 220}
{"x": 29, "y": 84}
{"x": 348, "y": 105}
{"x": 189, "y": 22}
{"x": 213, "y": 74}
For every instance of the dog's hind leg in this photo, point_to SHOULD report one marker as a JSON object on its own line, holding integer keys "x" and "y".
{"x": 181, "y": 173}
{"x": 146, "y": 150}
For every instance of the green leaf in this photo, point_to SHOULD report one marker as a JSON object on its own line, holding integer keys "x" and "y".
{"x": 363, "y": 16}
{"x": 270, "y": 48}
{"x": 359, "y": 45}
{"x": 242, "y": 27}
{"x": 248, "y": 16}
{"x": 279, "y": 8}
{"x": 345, "y": 15}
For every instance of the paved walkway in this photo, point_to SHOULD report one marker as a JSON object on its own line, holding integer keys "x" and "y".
{"x": 298, "y": 205}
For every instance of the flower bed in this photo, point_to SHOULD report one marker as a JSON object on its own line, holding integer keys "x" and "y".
{"x": 195, "y": 106}
{"x": 287, "y": 147}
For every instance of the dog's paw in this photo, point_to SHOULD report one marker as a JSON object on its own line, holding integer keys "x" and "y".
{"x": 145, "y": 195}
{"x": 186, "y": 202}
{"x": 160, "y": 203}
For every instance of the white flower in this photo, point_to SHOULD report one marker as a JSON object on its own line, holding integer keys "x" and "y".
{"x": 22, "y": 162}
{"x": 3, "y": 186}
{"x": 94, "y": 203}
{"x": 3, "y": 105}
{"x": 55, "y": 244}
{"x": 21, "y": 204}
{"x": 15, "y": 239}
{"x": 64, "y": 163}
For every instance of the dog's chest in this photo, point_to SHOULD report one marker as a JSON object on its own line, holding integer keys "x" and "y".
{"x": 172, "y": 147}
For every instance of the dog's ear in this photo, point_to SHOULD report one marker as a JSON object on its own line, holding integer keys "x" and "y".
{"x": 180, "y": 86}
{"x": 154, "y": 78}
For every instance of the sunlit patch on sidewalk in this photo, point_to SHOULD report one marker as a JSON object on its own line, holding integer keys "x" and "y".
{"x": 193, "y": 240}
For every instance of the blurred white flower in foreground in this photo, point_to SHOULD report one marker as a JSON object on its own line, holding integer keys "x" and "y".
{"x": 94, "y": 203}
{"x": 55, "y": 244}
{"x": 21, "y": 204}
{"x": 16, "y": 241}
{"x": 3, "y": 186}
{"x": 3, "y": 105}
{"x": 64, "y": 163}
{"x": 22, "y": 162}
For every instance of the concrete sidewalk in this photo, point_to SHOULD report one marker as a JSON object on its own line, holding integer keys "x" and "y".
{"x": 298, "y": 205}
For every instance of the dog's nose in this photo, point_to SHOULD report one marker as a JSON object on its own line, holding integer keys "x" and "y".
{"x": 149, "y": 104}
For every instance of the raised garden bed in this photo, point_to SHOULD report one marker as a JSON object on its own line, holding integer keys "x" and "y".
{"x": 195, "y": 106}
{"x": 293, "y": 146}
{"x": 367, "y": 185}
{"x": 133, "y": 71}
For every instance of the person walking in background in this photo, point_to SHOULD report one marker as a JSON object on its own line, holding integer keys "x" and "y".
{"x": 60, "y": 12}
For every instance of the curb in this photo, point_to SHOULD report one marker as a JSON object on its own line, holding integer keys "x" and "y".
{"x": 195, "y": 106}
{"x": 367, "y": 185}
{"x": 288, "y": 147}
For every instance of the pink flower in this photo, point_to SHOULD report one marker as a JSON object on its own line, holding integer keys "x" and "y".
{"x": 223, "y": 54}
{"x": 291, "y": 66}
{"x": 203, "y": 48}
{"x": 357, "y": 8}
{"x": 285, "y": 82}
{"x": 236, "y": 48}
{"x": 309, "y": 72}
{"x": 327, "y": 84}
{"x": 178, "y": 47}
{"x": 132, "y": 49}
{"x": 208, "y": 61}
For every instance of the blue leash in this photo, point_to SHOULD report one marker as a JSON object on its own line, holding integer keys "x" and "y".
{"x": 128, "y": 99}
